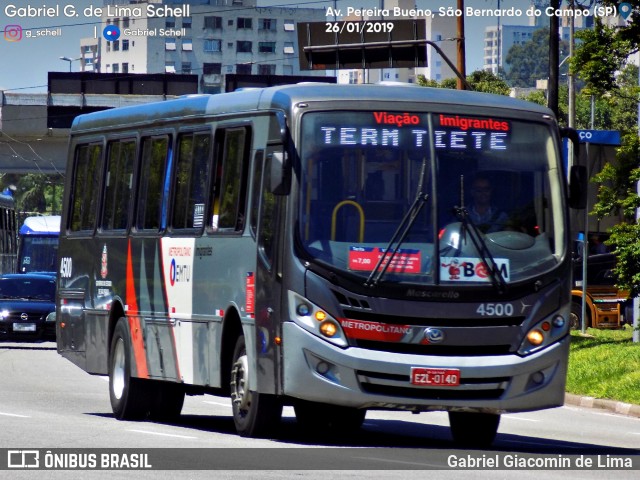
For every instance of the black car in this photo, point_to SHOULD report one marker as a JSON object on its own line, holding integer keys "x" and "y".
{"x": 27, "y": 305}
{"x": 599, "y": 270}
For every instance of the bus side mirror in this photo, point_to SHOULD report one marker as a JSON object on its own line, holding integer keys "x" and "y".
{"x": 280, "y": 173}
{"x": 578, "y": 187}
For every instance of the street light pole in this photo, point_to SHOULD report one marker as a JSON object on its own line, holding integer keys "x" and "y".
{"x": 70, "y": 60}
{"x": 636, "y": 300}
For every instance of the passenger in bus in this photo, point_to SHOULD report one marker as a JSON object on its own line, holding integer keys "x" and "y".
{"x": 482, "y": 212}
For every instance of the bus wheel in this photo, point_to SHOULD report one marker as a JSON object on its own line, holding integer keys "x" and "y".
{"x": 472, "y": 429}
{"x": 575, "y": 317}
{"x": 168, "y": 400}
{"x": 129, "y": 396}
{"x": 318, "y": 417}
{"x": 254, "y": 414}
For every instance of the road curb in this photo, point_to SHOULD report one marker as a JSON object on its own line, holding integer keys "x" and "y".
{"x": 608, "y": 405}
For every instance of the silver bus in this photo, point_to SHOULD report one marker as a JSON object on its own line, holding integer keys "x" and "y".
{"x": 316, "y": 245}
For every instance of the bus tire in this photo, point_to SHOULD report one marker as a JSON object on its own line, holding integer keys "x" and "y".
{"x": 254, "y": 414}
{"x": 130, "y": 397}
{"x": 316, "y": 417}
{"x": 471, "y": 429}
{"x": 575, "y": 317}
{"x": 168, "y": 399}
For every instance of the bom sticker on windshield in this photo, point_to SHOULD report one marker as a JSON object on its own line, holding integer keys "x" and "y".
{"x": 366, "y": 259}
{"x": 466, "y": 269}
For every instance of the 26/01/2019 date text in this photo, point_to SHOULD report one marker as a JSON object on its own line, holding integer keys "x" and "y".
{"x": 359, "y": 27}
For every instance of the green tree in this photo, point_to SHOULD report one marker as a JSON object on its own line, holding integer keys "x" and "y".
{"x": 480, "y": 81}
{"x": 602, "y": 51}
{"x": 529, "y": 61}
{"x": 35, "y": 193}
{"x": 616, "y": 110}
{"x": 617, "y": 191}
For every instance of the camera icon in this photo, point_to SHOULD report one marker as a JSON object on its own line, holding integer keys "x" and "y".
{"x": 13, "y": 33}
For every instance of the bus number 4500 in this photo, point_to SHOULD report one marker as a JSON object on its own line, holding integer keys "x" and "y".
{"x": 66, "y": 267}
{"x": 495, "y": 309}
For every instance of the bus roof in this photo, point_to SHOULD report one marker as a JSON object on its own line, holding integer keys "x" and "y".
{"x": 286, "y": 96}
{"x": 41, "y": 225}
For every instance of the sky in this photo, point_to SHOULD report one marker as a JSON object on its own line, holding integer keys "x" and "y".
{"x": 24, "y": 64}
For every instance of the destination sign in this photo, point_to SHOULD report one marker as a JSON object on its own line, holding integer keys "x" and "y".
{"x": 451, "y": 132}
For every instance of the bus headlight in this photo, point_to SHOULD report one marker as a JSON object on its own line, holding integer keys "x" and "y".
{"x": 535, "y": 337}
{"x": 329, "y": 328}
{"x": 543, "y": 334}
{"x": 315, "y": 320}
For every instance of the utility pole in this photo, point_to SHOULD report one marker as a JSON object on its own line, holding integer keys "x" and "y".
{"x": 499, "y": 40}
{"x": 461, "y": 50}
{"x": 554, "y": 47}
{"x": 570, "y": 78}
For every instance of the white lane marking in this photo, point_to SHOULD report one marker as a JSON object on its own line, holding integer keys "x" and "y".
{"x": 404, "y": 462}
{"x": 163, "y": 434}
{"x": 14, "y": 415}
{"x": 523, "y": 419}
{"x": 217, "y": 403}
{"x": 545, "y": 444}
{"x": 600, "y": 411}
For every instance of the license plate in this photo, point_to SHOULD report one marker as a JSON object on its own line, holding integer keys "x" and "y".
{"x": 435, "y": 377}
{"x": 24, "y": 327}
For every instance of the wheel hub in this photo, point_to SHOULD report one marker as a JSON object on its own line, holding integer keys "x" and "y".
{"x": 240, "y": 395}
{"x": 118, "y": 373}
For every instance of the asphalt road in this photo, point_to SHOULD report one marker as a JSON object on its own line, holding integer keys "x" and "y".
{"x": 48, "y": 404}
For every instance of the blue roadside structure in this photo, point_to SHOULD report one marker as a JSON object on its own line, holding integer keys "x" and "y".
{"x": 594, "y": 137}
{"x": 600, "y": 137}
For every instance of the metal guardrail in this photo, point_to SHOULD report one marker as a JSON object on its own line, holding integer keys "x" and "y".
{"x": 76, "y": 99}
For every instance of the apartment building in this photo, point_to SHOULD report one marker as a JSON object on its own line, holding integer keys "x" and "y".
{"x": 209, "y": 38}
{"x": 499, "y": 38}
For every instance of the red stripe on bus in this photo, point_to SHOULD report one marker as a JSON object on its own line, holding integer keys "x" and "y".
{"x": 135, "y": 328}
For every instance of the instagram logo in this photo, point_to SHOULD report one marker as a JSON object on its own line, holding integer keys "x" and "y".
{"x": 13, "y": 33}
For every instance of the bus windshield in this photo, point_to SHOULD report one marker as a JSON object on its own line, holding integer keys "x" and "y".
{"x": 497, "y": 180}
{"x": 38, "y": 254}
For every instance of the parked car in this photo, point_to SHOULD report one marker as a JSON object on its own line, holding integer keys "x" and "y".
{"x": 27, "y": 305}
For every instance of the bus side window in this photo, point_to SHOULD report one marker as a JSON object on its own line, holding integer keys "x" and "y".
{"x": 230, "y": 188}
{"x": 86, "y": 183}
{"x": 117, "y": 188}
{"x": 152, "y": 174}
{"x": 191, "y": 180}
{"x": 258, "y": 161}
{"x": 267, "y": 218}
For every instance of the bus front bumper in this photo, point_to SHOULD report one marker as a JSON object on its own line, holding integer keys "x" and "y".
{"x": 315, "y": 370}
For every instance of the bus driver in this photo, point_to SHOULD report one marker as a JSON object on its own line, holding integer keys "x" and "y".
{"x": 486, "y": 216}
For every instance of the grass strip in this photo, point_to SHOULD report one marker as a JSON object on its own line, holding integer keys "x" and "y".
{"x": 605, "y": 364}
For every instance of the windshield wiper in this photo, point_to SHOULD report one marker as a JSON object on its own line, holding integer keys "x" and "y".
{"x": 481, "y": 246}
{"x": 398, "y": 238}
